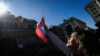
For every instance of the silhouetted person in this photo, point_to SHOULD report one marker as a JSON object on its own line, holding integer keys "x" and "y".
{"x": 68, "y": 29}
{"x": 8, "y": 47}
{"x": 79, "y": 43}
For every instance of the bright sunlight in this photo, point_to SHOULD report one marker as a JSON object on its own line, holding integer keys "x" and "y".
{"x": 3, "y": 8}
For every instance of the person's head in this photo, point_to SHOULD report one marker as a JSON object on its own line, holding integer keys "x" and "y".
{"x": 78, "y": 41}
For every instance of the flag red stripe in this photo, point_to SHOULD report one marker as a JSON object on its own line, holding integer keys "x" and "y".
{"x": 41, "y": 35}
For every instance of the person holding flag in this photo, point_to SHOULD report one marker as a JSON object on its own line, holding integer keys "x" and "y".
{"x": 77, "y": 45}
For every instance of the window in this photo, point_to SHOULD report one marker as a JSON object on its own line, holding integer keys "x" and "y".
{"x": 93, "y": 9}
{"x": 13, "y": 26}
{"x": 98, "y": 1}
{"x": 33, "y": 39}
{"x": 95, "y": 12}
{"x": 31, "y": 27}
{"x": 91, "y": 6}
{"x": 1, "y": 25}
{"x": 97, "y": 16}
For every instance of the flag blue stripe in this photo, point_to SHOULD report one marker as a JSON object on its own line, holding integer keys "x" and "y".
{"x": 43, "y": 31}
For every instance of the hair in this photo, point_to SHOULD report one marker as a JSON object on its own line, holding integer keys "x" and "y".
{"x": 83, "y": 39}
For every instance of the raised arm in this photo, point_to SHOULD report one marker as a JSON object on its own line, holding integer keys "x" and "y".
{"x": 60, "y": 44}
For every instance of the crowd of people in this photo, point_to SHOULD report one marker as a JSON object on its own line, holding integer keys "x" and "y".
{"x": 80, "y": 42}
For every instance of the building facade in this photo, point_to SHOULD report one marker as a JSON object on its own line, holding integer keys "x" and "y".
{"x": 70, "y": 24}
{"x": 58, "y": 31}
{"x": 74, "y": 22}
{"x": 93, "y": 8}
{"x": 19, "y": 28}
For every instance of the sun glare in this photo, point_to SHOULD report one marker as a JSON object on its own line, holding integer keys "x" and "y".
{"x": 2, "y": 8}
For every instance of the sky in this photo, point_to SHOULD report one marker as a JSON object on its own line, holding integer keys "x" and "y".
{"x": 54, "y": 11}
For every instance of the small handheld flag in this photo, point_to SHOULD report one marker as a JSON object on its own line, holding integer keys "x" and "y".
{"x": 40, "y": 31}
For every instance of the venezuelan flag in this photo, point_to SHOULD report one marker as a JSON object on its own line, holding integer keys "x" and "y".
{"x": 40, "y": 31}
